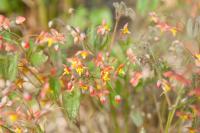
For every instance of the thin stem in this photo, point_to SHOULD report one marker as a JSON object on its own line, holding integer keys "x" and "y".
{"x": 158, "y": 113}
{"x": 167, "y": 99}
{"x": 172, "y": 112}
{"x": 5, "y": 127}
{"x": 114, "y": 32}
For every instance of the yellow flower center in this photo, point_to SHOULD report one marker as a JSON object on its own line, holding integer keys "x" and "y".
{"x": 79, "y": 70}
{"x": 106, "y": 76}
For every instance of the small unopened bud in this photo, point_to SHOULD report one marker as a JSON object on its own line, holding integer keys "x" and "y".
{"x": 103, "y": 99}
{"x": 69, "y": 86}
{"x": 27, "y": 96}
{"x": 158, "y": 84}
{"x": 25, "y": 44}
{"x": 92, "y": 91}
{"x": 118, "y": 99}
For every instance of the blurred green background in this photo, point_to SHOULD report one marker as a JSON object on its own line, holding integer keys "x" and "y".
{"x": 40, "y": 12}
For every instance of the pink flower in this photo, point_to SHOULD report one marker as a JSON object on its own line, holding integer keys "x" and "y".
{"x": 136, "y": 78}
{"x": 103, "y": 28}
{"x": 4, "y": 22}
{"x": 102, "y": 99}
{"x": 20, "y": 20}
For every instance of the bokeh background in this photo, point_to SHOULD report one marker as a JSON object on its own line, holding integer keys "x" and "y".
{"x": 40, "y": 13}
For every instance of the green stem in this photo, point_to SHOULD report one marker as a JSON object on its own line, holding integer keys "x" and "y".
{"x": 171, "y": 113}
{"x": 42, "y": 13}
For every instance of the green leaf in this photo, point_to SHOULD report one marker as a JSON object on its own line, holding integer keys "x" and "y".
{"x": 79, "y": 19}
{"x": 4, "y": 6}
{"x": 71, "y": 103}
{"x": 55, "y": 86}
{"x": 154, "y": 4}
{"x": 142, "y": 6}
{"x": 97, "y": 15}
{"x": 38, "y": 58}
{"x": 12, "y": 67}
{"x": 8, "y": 66}
{"x": 137, "y": 118}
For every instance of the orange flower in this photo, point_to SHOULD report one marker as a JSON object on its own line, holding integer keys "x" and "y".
{"x": 83, "y": 86}
{"x": 177, "y": 77}
{"x": 120, "y": 70}
{"x": 105, "y": 73}
{"x": 51, "y": 37}
{"x": 103, "y": 28}
{"x": 136, "y": 78}
{"x": 184, "y": 116}
{"x": 66, "y": 70}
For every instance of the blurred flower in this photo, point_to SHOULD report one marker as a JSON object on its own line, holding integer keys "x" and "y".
{"x": 19, "y": 82}
{"x": 118, "y": 99}
{"x": 103, "y": 28}
{"x": 105, "y": 73}
{"x": 131, "y": 55}
{"x": 184, "y": 116}
{"x": 13, "y": 117}
{"x": 195, "y": 110}
{"x": 165, "y": 86}
{"x": 177, "y": 77}
{"x": 4, "y": 22}
{"x": 9, "y": 47}
{"x": 192, "y": 130}
{"x": 83, "y": 53}
{"x": 163, "y": 26}
{"x": 70, "y": 86}
{"x": 25, "y": 44}
{"x": 18, "y": 130}
{"x": 3, "y": 102}
{"x": 27, "y": 96}
{"x": 20, "y": 20}
{"x": 66, "y": 70}
{"x": 153, "y": 17}
{"x": 197, "y": 60}
{"x": 92, "y": 91}
{"x": 78, "y": 36}
{"x": 50, "y": 37}
{"x": 136, "y": 78}
{"x": 83, "y": 86}
{"x": 102, "y": 99}
{"x": 99, "y": 60}
{"x": 195, "y": 92}
{"x": 79, "y": 70}
{"x": 125, "y": 30}
{"x": 120, "y": 70}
